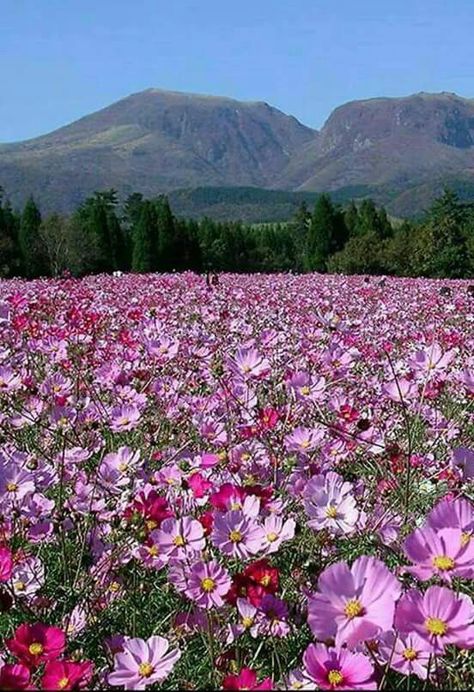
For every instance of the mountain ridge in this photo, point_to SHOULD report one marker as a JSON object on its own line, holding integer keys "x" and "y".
{"x": 157, "y": 141}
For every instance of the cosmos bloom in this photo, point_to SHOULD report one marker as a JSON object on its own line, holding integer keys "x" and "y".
{"x": 456, "y": 514}
{"x": 408, "y": 654}
{"x": 237, "y": 535}
{"x": 66, "y": 675}
{"x": 303, "y": 440}
{"x": 443, "y": 553}
{"x": 125, "y": 417}
{"x": 330, "y": 504}
{"x": 15, "y": 482}
{"x": 27, "y": 577}
{"x": 273, "y": 616}
{"x": 142, "y": 663}
{"x": 180, "y": 537}
{"x": 338, "y": 669}
{"x": 432, "y": 359}
{"x": 246, "y": 680}
{"x": 6, "y": 563}
{"x": 248, "y": 363}
{"x": 275, "y": 531}
{"x": 15, "y": 677}
{"x": 246, "y": 623}
{"x": 208, "y": 583}
{"x": 353, "y": 604}
{"x": 439, "y": 616}
{"x": 34, "y": 644}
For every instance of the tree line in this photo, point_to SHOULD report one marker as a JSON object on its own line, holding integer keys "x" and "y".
{"x": 143, "y": 235}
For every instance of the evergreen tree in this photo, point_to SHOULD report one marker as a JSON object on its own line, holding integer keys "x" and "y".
{"x": 10, "y": 254}
{"x": 144, "y": 240}
{"x": 33, "y": 255}
{"x": 321, "y": 234}
{"x": 166, "y": 251}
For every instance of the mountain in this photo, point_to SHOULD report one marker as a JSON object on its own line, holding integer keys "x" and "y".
{"x": 401, "y": 151}
{"x": 154, "y": 141}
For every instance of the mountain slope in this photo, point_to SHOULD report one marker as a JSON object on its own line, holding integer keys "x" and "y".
{"x": 401, "y": 151}
{"x": 154, "y": 141}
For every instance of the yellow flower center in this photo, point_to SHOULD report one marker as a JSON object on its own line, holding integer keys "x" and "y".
{"x": 208, "y": 584}
{"x": 63, "y": 683}
{"x": 246, "y": 456}
{"x": 331, "y": 512}
{"x": 305, "y": 444}
{"x": 272, "y": 537}
{"x": 123, "y": 467}
{"x": 353, "y": 608}
{"x": 114, "y": 586}
{"x": 410, "y": 654}
{"x": 36, "y": 649}
{"x": 436, "y": 626}
{"x": 153, "y": 550}
{"x": 265, "y": 580}
{"x": 145, "y": 670}
{"x": 335, "y": 677}
{"x": 443, "y": 562}
{"x": 151, "y": 524}
{"x": 236, "y": 505}
{"x": 235, "y": 536}
{"x": 12, "y": 487}
{"x": 465, "y": 538}
{"x": 305, "y": 390}
{"x": 179, "y": 540}
{"x": 19, "y": 586}
{"x": 247, "y": 622}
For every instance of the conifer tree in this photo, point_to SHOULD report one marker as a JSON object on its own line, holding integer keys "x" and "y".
{"x": 34, "y": 261}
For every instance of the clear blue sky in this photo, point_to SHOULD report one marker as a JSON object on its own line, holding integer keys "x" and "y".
{"x": 61, "y": 59}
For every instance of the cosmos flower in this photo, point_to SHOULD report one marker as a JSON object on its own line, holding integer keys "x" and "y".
{"x": 407, "y": 654}
{"x": 330, "y": 504}
{"x": 66, "y": 675}
{"x": 444, "y": 553}
{"x": 6, "y": 563}
{"x": 439, "y": 616}
{"x": 353, "y": 604}
{"x": 35, "y": 644}
{"x": 142, "y": 663}
{"x": 208, "y": 583}
{"x": 338, "y": 669}
{"x": 246, "y": 680}
{"x": 237, "y": 535}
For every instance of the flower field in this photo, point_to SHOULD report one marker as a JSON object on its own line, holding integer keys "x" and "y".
{"x": 266, "y": 484}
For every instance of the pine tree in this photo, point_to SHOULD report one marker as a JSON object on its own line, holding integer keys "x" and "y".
{"x": 34, "y": 261}
{"x": 166, "y": 250}
{"x": 321, "y": 234}
{"x": 144, "y": 240}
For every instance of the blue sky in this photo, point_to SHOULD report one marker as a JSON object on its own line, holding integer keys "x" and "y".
{"x": 61, "y": 59}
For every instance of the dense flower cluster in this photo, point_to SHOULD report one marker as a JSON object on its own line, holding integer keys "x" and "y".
{"x": 266, "y": 484}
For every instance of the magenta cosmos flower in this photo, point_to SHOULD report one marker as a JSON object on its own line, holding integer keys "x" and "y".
{"x": 353, "y": 604}
{"x": 208, "y": 583}
{"x": 6, "y": 563}
{"x": 143, "y": 663}
{"x": 237, "y": 535}
{"x": 439, "y": 616}
{"x": 444, "y": 553}
{"x": 338, "y": 669}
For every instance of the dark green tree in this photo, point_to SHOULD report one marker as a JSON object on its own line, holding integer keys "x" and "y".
{"x": 321, "y": 234}
{"x": 144, "y": 240}
{"x": 33, "y": 254}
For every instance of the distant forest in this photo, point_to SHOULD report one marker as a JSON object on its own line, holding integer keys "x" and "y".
{"x": 143, "y": 235}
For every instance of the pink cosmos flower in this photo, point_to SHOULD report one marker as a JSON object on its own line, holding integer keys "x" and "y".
{"x": 66, "y": 675}
{"x": 246, "y": 623}
{"x": 443, "y": 553}
{"x": 248, "y": 363}
{"x": 275, "y": 531}
{"x": 353, "y": 604}
{"x": 124, "y": 417}
{"x": 456, "y": 514}
{"x": 400, "y": 389}
{"x": 330, "y": 504}
{"x": 27, "y": 577}
{"x": 338, "y": 669}
{"x": 273, "y": 615}
{"x": 143, "y": 663}
{"x": 15, "y": 677}
{"x": 34, "y": 644}
{"x": 303, "y": 440}
{"x": 179, "y": 538}
{"x": 6, "y": 563}
{"x": 408, "y": 654}
{"x": 237, "y": 535}
{"x": 439, "y": 616}
{"x": 246, "y": 680}
{"x": 208, "y": 583}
